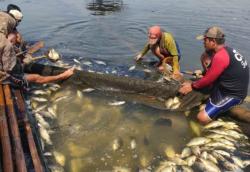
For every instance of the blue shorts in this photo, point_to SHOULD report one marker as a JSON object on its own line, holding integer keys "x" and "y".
{"x": 218, "y": 104}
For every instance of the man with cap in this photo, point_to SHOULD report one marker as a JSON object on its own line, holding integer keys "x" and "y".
{"x": 228, "y": 74}
{"x": 163, "y": 46}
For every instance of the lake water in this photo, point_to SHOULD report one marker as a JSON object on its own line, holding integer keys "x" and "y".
{"x": 114, "y": 31}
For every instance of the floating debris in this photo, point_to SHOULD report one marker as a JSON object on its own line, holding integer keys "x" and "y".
{"x": 117, "y": 144}
{"x": 76, "y": 61}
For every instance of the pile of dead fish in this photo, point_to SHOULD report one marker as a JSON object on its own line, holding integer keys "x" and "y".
{"x": 222, "y": 147}
{"x": 44, "y": 111}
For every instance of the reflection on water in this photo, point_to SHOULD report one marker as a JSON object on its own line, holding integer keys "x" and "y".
{"x": 104, "y": 7}
{"x": 87, "y": 127}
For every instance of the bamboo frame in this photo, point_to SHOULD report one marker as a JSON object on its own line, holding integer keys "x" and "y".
{"x": 17, "y": 145}
{"x": 5, "y": 137}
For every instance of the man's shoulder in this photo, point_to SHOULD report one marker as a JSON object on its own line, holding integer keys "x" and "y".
{"x": 168, "y": 36}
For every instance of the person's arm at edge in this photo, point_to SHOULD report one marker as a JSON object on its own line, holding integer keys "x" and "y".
{"x": 46, "y": 79}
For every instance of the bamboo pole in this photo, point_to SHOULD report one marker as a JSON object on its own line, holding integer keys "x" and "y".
{"x": 4, "y": 134}
{"x": 32, "y": 146}
{"x": 17, "y": 145}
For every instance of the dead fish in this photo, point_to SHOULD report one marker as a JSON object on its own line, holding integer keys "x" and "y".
{"x": 114, "y": 72}
{"x": 39, "y": 99}
{"x": 225, "y": 141}
{"x": 196, "y": 150}
{"x": 101, "y": 73}
{"x": 133, "y": 144}
{"x": 246, "y": 163}
{"x": 53, "y": 88}
{"x": 178, "y": 161}
{"x": 218, "y": 156}
{"x": 87, "y": 63}
{"x": 45, "y": 135}
{"x": 186, "y": 152}
{"x": 76, "y": 61}
{"x": 116, "y": 103}
{"x": 204, "y": 155}
{"x": 212, "y": 158}
{"x": 100, "y": 62}
{"x": 209, "y": 166}
{"x": 186, "y": 169}
{"x": 87, "y": 90}
{"x": 41, "y": 92}
{"x": 40, "y": 120}
{"x": 191, "y": 160}
{"x": 169, "y": 103}
{"x": 60, "y": 98}
{"x": 166, "y": 169}
{"x": 91, "y": 71}
{"x": 117, "y": 144}
{"x": 238, "y": 161}
{"x": 175, "y": 106}
{"x": 147, "y": 71}
{"x": 79, "y": 94}
{"x": 131, "y": 68}
{"x": 47, "y": 154}
{"x": 53, "y": 54}
{"x": 166, "y": 163}
{"x": 231, "y": 166}
{"x": 220, "y": 145}
{"x": 59, "y": 157}
{"x": 52, "y": 112}
{"x": 38, "y": 109}
{"x": 198, "y": 141}
{"x": 214, "y": 124}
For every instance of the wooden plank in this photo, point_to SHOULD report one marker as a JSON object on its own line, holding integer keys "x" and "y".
{"x": 17, "y": 145}
{"x": 30, "y": 139}
{"x": 4, "y": 134}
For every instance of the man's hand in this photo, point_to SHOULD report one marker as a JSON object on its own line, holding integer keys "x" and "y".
{"x": 198, "y": 73}
{"x": 67, "y": 73}
{"x": 28, "y": 59}
{"x": 138, "y": 57}
{"x": 186, "y": 87}
{"x": 177, "y": 76}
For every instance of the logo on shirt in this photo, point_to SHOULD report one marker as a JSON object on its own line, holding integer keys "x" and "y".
{"x": 240, "y": 58}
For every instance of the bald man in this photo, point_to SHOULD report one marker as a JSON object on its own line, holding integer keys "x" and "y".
{"x": 164, "y": 47}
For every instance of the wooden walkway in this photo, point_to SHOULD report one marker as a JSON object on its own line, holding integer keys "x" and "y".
{"x": 13, "y": 119}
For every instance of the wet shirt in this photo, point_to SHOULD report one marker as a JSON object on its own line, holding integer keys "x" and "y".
{"x": 7, "y": 52}
{"x": 229, "y": 73}
{"x": 167, "y": 47}
{"x": 7, "y": 23}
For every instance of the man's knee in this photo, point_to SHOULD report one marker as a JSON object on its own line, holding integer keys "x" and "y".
{"x": 203, "y": 117}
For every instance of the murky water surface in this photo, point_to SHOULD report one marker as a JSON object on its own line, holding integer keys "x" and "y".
{"x": 87, "y": 127}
